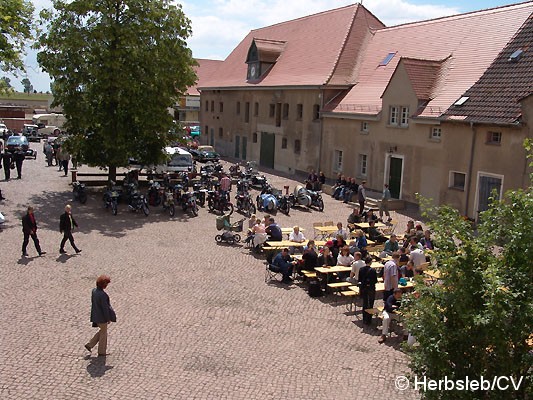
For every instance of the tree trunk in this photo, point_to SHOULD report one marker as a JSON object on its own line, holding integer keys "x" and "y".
{"x": 112, "y": 176}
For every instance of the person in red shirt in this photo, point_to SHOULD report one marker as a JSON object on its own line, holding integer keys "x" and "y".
{"x": 29, "y": 229}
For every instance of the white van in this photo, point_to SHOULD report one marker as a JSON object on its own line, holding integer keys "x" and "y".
{"x": 179, "y": 161}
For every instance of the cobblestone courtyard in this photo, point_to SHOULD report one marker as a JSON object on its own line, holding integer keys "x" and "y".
{"x": 195, "y": 319}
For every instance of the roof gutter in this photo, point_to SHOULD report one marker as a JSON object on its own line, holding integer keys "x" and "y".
{"x": 278, "y": 87}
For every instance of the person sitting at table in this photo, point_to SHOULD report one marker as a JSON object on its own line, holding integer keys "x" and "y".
{"x": 325, "y": 259}
{"x": 419, "y": 232}
{"x": 426, "y": 241}
{"x": 309, "y": 257}
{"x": 252, "y": 221}
{"x": 259, "y": 235}
{"x": 273, "y": 231}
{"x": 367, "y": 288}
{"x": 359, "y": 244}
{"x": 417, "y": 256}
{"x": 266, "y": 219}
{"x": 392, "y": 304}
{"x": 297, "y": 237}
{"x": 409, "y": 231}
{"x": 390, "y": 276}
{"x": 345, "y": 259}
{"x": 370, "y": 216}
{"x": 391, "y": 245}
{"x": 374, "y": 234}
{"x": 336, "y": 244}
{"x": 285, "y": 263}
{"x": 408, "y": 270}
{"x": 353, "y": 218}
{"x": 357, "y": 264}
{"x": 413, "y": 241}
{"x": 404, "y": 258}
{"x": 341, "y": 231}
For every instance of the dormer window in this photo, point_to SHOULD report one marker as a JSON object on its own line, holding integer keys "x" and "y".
{"x": 262, "y": 56}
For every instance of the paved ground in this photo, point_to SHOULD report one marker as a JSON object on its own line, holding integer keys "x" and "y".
{"x": 195, "y": 319}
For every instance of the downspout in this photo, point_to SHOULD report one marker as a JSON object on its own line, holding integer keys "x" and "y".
{"x": 470, "y": 167}
{"x": 321, "y": 131}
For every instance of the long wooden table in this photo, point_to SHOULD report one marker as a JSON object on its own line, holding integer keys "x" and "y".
{"x": 324, "y": 231}
{"x": 327, "y": 271}
{"x": 380, "y": 286}
{"x": 281, "y": 244}
{"x": 288, "y": 231}
{"x": 366, "y": 225}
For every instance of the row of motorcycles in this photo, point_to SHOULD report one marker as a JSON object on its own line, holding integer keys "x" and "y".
{"x": 129, "y": 192}
{"x": 271, "y": 199}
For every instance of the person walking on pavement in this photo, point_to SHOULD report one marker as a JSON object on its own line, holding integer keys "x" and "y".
{"x": 29, "y": 228}
{"x": 384, "y": 204}
{"x": 66, "y": 226}
{"x": 19, "y": 156}
{"x": 361, "y": 195}
{"x": 7, "y": 158}
{"x": 101, "y": 315}
{"x": 65, "y": 158}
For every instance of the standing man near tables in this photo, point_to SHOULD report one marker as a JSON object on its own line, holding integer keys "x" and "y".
{"x": 368, "y": 278}
{"x": 361, "y": 195}
{"x": 390, "y": 276}
{"x": 29, "y": 229}
{"x": 384, "y": 204}
{"x": 66, "y": 226}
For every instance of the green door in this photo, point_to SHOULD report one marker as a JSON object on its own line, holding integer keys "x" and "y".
{"x": 237, "y": 146}
{"x": 266, "y": 158}
{"x": 395, "y": 177}
{"x": 244, "y": 145}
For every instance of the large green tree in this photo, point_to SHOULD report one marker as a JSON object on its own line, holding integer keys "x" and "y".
{"x": 16, "y": 18}
{"x": 476, "y": 323}
{"x": 117, "y": 65}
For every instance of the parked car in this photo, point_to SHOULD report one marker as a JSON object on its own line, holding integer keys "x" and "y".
{"x": 14, "y": 142}
{"x": 205, "y": 153}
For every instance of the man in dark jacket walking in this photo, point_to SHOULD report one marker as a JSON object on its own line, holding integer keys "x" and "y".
{"x": 29, "y": 229}
{"x": 6, "y": 160}
{"x": 101, "y": 315}
{"x": 66, "y": 226}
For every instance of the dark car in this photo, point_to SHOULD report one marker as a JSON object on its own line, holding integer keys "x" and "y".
{"x": 14, "y": 143}
{"x": 205, "y": 153}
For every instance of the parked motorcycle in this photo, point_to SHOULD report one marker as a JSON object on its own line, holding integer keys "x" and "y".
{"x": 188, "y": 203}
{"x": 235, "y": 170}
{"x": 169, "y": 203}
{"x": 244, "y": 202}
{"x": 307, "y": 198}
{"x": 111, "y": 197}
{"x": 79, "y": 193}
{"x": 155, "y": 194}
{"x": 200, "y": 192}
{"x": 137, "y": 201}
{"x": 218, "y": 201}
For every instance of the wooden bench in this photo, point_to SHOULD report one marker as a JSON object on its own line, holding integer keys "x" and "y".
{"x": 338, "y": 285}
{"x": 308, "y": 274}
{"x": 352, "y": 296}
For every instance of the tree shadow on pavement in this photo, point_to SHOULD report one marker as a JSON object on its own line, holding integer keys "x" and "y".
{"x": 97, "y": 367}
{"x": 92, "y": 216}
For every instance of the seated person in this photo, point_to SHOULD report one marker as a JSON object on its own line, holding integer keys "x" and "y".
{"x": 259, "y": 234}
{"x": 310, "y": 257}
{"x": 252, "y": 221}
{"x": 353, "y": 218}
{"x": 359, "y": 244}
{"x": 427, "y": 242}
{"x": 391, "y": 245}
{"x": 336, "y": 244}
{"x": 297, "y": 237}
{"x": 274, "y": 231}
{"x": 413, "y": 241}
{"x": 419, "y": 232}
{"x": 285, "y": 263}
{"x": 370, "y": 216}
{"x": 351, "y": 189}
{"x": 344, "y": 259}
{"x": 321, "y": 180}
{"x": 342, "y": 232}
{"x": 417, "y": 256}
{"x": 408, "y": 270}
{"x": 326, "y": 259}
{"x": 404, "y": 258}
{"x": 357, "y": 264}
{"x": 374, "y": 234}
{"x": 409, "y": 231}
{"x": 339, "y": 186}
{"x": 392, "y": 304}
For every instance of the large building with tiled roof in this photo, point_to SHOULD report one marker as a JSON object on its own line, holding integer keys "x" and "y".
{"x": 436, "y": 107}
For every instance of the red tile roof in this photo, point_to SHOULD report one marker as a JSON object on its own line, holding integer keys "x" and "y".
{"x": 317, "y": 48}
{"x": 204, "y": 70}
{"x": 471, "y": 41}
{"x": 495, "y": 98}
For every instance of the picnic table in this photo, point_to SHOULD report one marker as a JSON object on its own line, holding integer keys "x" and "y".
{"x": 325, "y": 231}
{"x": 366, "y": 225}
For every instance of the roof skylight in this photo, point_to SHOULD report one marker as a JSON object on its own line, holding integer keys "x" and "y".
{"x": 387, "y": 59}
{"x": 516, "y": 55}
{"x": 461, "y": 101}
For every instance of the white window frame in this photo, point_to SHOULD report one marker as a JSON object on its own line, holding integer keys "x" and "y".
{"x": 490, "y": 137}
{"x": 434, "y": 130}
{"x": 452, "y": 180}
{"x": 404, "y": 116}
{"x": 363, "y": 164}
{"x": 393, "y": 115}
{"x": 337, "y": 160}
{"x": 365, "y": 127}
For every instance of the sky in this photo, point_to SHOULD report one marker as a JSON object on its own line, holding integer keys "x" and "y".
{"x": 219, "y": 25}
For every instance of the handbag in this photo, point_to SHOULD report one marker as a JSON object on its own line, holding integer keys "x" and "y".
{"x": 12, "y": 165}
